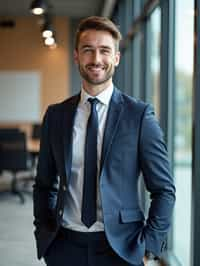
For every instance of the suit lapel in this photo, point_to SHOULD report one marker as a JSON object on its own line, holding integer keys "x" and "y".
{"x": 68, "y": 123}
{"x": 113, "y": 118}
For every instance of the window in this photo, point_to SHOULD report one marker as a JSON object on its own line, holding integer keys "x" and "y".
{"x": 183, "y": 130}
{"x": 154, "y": 82}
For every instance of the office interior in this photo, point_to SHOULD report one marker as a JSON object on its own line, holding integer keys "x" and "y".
{"x": 160, "y": 64}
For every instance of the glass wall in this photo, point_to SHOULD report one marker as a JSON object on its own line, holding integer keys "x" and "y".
{"x": 183, "y": 129}
{"x": 161, "y": 72}
{"x": 155, "y": 33}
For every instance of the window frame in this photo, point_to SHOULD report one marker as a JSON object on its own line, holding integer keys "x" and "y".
{"x": 195, "y": 256}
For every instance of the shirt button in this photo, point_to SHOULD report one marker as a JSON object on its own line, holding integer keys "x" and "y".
{"x": 64, "y": 188}
{"x": 60, "y": 212}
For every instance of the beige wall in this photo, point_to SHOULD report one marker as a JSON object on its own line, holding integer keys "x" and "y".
{"x": 22, "y": 49}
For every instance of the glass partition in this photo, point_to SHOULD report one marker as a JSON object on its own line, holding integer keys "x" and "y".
{"x": 183, "y": 129}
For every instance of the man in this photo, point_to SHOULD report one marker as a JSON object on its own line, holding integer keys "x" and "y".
{"x": 93, "y": 148}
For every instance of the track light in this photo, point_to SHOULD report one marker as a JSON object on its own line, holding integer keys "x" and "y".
{"x": 42, "y": 7}
{"x": 39, "y": 7}
{"x": 47, "y": 30}
{"x": 50, "y": 41}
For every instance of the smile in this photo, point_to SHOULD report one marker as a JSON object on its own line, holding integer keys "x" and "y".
{"x": 95, "y": 68}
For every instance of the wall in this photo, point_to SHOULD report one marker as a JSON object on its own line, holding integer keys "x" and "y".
{"x": 21, "y": 49}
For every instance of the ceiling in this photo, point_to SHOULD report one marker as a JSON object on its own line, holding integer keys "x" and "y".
{"x": 70, "y": 8}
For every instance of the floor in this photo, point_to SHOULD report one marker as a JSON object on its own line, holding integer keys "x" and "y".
{"x": 17, "y": 244}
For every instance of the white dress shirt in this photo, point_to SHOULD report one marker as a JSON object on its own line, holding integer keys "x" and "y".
{"x": 73, "y": 200}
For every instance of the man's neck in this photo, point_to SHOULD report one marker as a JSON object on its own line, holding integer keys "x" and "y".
{"x": 94, "y": 90}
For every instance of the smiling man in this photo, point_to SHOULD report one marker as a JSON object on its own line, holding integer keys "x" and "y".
{"x": 97, "y": 56}
{"x": 94, "y": 146}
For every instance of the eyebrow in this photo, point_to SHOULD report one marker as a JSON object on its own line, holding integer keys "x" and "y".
{"x": 101, "y": 47}
{"x": 106, "y": 47}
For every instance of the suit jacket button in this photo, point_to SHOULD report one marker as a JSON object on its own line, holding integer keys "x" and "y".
{"x": 64, "y": 188}
{"x": 60, "y": 212}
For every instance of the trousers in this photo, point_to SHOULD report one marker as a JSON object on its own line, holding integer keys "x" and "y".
{"x": 72, "y": 248}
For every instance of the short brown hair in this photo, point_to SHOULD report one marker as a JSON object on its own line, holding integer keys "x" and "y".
{"x": 98, "y": 23}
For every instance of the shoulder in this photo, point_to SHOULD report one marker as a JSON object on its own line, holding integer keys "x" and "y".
{"x": 62, "y": 106}
{"x": 135, "y": 105}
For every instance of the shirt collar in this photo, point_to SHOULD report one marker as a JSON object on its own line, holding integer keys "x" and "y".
{"x": 104, "y": 97}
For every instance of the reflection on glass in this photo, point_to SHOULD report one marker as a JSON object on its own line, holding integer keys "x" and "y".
{"x": 183, "y": 129}
{"x": 154, "y": 45}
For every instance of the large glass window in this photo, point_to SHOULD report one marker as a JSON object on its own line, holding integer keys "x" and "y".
{"x": 153, "y": 34}
{"x": 155, "y": 26}
{"x": 136, "y": 62}
{"x": 152, "y": 65}
{"x": 183, "y": 129}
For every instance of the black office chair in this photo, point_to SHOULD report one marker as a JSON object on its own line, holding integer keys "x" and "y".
{"x": 36, "y": 131}
{"x": 14, "y": 157}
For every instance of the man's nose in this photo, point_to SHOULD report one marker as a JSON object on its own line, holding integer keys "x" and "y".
{"x": 96, "y": 57}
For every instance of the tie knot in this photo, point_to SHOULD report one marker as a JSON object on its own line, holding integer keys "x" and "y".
{"x": 93, "y": 101}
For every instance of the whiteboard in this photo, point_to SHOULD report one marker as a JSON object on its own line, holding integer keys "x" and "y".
{"x": 19, "y": 96}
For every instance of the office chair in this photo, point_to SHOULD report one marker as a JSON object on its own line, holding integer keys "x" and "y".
{"x": 14, "y": 157}
{"x": 35, "y": 138}
{"x": 36, "y": 128}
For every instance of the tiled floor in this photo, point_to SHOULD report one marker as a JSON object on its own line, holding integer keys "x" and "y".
{"x": 17, "y": 244}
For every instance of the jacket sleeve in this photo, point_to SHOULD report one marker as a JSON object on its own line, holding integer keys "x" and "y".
{"x": 45, "y": 188}
{"x": 158, "y": 180}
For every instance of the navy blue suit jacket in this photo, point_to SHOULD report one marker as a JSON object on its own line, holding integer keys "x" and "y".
{"x": 133, "y": 143}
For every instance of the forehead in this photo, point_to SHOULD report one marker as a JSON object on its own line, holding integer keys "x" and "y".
{"x": 96, "y": 38}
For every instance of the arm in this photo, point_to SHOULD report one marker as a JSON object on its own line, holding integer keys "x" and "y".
{"x": 46, "y": 182}
{"x": 158, "y": 181}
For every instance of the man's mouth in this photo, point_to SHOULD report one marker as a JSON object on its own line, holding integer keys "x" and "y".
{"x": 95, "y": 68}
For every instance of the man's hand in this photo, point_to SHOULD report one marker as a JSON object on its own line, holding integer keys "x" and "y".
{"x": 145, "y": 260}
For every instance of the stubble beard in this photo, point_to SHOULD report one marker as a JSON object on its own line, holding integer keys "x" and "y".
{"x": 108, "y": 75}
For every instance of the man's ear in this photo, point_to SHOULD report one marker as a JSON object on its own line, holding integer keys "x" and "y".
{"x": 76, "y": 56}
{"x": 117, "y": 58}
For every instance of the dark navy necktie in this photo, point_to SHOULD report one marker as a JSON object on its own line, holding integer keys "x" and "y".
{"x": 89, "y": 209}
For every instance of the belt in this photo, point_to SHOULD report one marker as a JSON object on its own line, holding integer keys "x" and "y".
{"x": 83, "y": 238}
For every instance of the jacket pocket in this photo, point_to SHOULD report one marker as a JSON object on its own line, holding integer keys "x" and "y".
{"x": 131, "y": 215}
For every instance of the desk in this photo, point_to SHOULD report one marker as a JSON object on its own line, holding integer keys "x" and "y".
{"x": 33, "y": 146}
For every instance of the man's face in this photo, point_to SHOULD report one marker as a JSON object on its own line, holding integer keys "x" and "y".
{"x": 96, "y": 56}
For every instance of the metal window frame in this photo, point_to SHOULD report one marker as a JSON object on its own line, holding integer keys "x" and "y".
{"x": 195, "y": 257}
{"x": 138, "y": 22}
{"x": 118, "y": 15}
{"x": 136, "y": 55}
{"x": 167, "y": 93}
{"x": 128, "y": 66}
{"x": 145, "y": 61}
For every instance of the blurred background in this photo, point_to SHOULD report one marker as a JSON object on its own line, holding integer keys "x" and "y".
{"x": 160, "y": 64}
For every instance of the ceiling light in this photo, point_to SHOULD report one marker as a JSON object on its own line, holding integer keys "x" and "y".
{"x": 49, "y": 41}
{"x": 47, "y": 30}
{"x": 38, "y": 7}
{"x": 47, "y": 33}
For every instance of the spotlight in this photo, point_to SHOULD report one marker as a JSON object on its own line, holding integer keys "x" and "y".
{"x": 47, "y": 30}
{"x": 39, "y": 7}
{"x": 49, "y": 41}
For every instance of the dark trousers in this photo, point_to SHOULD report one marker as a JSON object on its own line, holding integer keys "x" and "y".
{"x": 71, "y": 248}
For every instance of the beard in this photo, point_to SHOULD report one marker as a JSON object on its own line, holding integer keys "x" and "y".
{"x": 109, "y": 71}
